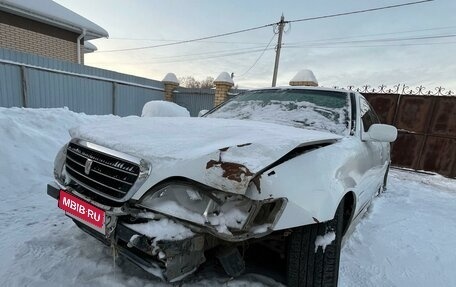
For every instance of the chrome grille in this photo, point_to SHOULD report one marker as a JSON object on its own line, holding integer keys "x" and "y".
{"x": 100, "y": 172}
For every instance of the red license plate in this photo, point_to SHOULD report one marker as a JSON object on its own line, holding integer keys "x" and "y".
{"x": 82, "y": 210}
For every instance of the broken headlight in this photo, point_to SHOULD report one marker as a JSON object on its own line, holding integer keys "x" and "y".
{"x": 181, "y": 201}
{"x": 204, "y": 207}
{"x": 224, "y": 213}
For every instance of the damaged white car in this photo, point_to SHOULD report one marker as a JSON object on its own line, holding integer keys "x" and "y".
{"x": 290, "y": 168}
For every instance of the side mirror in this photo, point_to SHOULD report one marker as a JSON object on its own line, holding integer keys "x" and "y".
{"x": 202, "y": 113}
{"x": 380, "y": 133}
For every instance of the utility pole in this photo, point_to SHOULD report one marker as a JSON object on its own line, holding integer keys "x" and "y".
{"x": 279, "y": 45}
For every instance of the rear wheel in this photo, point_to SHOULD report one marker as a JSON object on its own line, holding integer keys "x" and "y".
{"x": 314, "y": 252}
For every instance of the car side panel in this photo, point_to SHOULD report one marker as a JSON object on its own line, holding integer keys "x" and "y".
{"x": 315, "y": 182}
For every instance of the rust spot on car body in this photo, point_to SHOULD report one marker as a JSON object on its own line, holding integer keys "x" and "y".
{"x": 231, "y": 170}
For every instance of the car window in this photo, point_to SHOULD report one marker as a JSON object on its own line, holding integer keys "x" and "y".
{"x": 368, "y": 116}
{"x": 301, "y": 108}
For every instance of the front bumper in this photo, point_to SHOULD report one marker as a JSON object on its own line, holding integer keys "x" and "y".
{"x": 171, "y": 260}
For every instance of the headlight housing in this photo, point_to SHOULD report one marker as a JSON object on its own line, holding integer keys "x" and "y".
{"x": 222, "y": 212}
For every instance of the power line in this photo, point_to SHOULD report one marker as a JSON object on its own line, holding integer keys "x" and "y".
{"x": 259, "y": 57}
{"x": 369, "y": 46}
{"x": 198, "y": 58}
{"x": 264, "y": 43}
{"x": 226, "y": 53}
{"x": 178, "y": 40}
{"x": 359, "y": 11}
{"x": 376, "y": 34}
{"x": 207, "y": 53}
{"x": 318, "y": 42}
{"x": 217, "y": 52}
{"x": 264, "y": 26}
{"x": 378, "y": 40}
{"x": 189, "y": 41}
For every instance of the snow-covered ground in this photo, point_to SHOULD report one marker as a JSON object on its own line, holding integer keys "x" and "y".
{"x": 407, "y": 238}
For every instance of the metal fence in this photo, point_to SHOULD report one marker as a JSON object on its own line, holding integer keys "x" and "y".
{"x": 427, "y": 130}
{"x": 194, "y": 100}
{"x": 37, "y": 82}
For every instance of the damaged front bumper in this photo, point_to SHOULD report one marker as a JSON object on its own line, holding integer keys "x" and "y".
{"x": 170, "y": 260}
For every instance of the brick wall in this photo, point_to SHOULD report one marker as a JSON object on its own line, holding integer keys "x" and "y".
{"x": 34, "y": 37}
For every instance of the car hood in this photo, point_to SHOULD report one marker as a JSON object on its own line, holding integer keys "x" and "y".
{"x": 223, "y": 153}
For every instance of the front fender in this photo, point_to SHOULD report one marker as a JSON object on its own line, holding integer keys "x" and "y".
{"x": 314, "y": 184}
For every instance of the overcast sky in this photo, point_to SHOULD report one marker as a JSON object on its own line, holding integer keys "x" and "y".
{"x": 350, "y": 50}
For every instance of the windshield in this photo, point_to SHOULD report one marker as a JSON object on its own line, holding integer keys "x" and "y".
{"x": 310, "y": 109}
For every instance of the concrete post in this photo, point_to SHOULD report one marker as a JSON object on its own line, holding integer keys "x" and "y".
{"x": 171, "y": 83}
{"x": 223, "y": 84}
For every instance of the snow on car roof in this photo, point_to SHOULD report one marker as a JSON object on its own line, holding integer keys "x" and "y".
{"x": 302, "y": 88}
{"x": 51, "y": 13}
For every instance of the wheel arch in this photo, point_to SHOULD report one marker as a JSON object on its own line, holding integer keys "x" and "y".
{"x": 349, "y": 202}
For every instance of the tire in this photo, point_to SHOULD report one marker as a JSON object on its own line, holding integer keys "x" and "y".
{"x": 308, "y": 266}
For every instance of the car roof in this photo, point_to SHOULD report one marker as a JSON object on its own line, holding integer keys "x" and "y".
{"x": 302, "y": 88}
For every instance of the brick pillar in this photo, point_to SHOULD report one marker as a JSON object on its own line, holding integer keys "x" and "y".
{"x": 171, "y": 83}
{"x": 223, "y": 84}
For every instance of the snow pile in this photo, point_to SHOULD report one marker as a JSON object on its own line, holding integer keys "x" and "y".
{"x": 325, "y": 240}
{"x": 162, "y": 229}
{"x": 163, "y": 109}
{"x": 407, "y": 236}
{"x": 405, "y": 239}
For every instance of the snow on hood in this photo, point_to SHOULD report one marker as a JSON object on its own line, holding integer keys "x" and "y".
{"x": 157, "y": 139}
{"x": 218, "y": 145}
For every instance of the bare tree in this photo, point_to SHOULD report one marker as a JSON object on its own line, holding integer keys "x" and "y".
{"x": 208, "y": 83}
{"x": 191, "y": 82}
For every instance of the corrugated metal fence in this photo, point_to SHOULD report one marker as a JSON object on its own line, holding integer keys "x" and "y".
{"x": 196, "y": 100}
{"x": 37, "y": 82}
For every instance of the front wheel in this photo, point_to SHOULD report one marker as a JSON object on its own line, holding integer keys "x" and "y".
{"x": 314, "y": 252}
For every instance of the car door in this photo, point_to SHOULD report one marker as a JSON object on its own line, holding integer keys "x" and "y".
{"x": 374, "y": 154}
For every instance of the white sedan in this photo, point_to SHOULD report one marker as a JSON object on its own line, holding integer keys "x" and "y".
{"x": 289, "y": 168}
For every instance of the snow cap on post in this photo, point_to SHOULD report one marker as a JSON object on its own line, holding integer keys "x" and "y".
{"x": 170, "y": 78}
{"x": 170, "y": 81}
{"x": 224, "y": 78}
{"x": 304, "y": 78}
{"x": 223, "y": 84}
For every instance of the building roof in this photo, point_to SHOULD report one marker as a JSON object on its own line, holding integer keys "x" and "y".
{"x": 51, "y": 13}
{"x": 89, "y": 47}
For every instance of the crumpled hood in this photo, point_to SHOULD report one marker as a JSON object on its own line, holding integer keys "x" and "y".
{"x": 222, "y": 153}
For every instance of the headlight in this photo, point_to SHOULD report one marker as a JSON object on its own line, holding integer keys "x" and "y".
{"x": 221, "y": 210}
{"x": 59, "y": 163}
